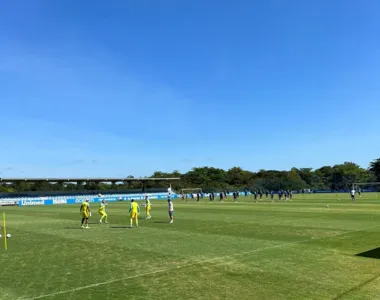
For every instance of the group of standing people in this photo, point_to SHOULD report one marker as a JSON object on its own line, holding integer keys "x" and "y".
{"x": 134, "y": 211}
{"x": 257, "y": 194}
{"x": 85, "y": 212}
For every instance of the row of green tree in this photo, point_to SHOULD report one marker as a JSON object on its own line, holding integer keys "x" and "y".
{"x": 340, "y": 176}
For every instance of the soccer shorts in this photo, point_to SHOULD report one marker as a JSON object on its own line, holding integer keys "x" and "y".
{"x": 85, "y": 215}
{"x": 147, "y": 208}
{"x": 102, "y": 213}
{"x": 170, "y": 213}
{"x": 133, "y": 215}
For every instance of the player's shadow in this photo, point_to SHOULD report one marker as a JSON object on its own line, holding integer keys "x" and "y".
{"x": 73, "y": 228}
{"x": 121, "y": 227}
{"x": 160, "y": 222}
{"x": 374, "y": 253}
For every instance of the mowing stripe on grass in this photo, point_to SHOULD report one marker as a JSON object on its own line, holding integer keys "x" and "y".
{"x": 191, "y": 264}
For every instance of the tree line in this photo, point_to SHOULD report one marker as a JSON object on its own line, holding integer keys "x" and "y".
{"x": 337, "y": 177}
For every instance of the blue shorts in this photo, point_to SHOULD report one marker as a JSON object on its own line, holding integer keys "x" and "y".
{"x": 170, "y": 213}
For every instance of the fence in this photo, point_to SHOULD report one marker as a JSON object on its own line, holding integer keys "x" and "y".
{"x": 25, "y": 201}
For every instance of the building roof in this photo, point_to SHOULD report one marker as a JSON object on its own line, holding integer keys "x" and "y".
{"x": 85, "y": 179}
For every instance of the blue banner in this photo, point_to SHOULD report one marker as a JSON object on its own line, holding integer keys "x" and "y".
{"x": 35, "y": 202}
{"x": 97, "y": 199}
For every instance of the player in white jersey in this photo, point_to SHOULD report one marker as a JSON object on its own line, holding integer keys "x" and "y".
{"x": 170, "y": 210}
{"x": 353, "y": 195}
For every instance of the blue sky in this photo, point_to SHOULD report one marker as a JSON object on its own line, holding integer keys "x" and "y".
{"x": 117, "y": 88}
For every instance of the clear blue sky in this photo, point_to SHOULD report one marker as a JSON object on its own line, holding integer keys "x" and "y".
{"x": 113, "y": 88}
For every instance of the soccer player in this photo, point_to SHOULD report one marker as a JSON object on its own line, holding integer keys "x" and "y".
{"x": 102, "y": 212}
{"x": 353, "y": 195}
{"x": 147, "y": 208}
{"x": 170, "y": 210}
{"x": 134, "y": 210}
{"x": 221, "y": 196}
{"x": 86, "y": 212}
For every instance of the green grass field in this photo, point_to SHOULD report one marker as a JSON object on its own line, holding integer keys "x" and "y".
{"x": 288, "y": 250}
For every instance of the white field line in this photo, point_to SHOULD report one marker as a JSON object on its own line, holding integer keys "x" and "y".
{"x": 188, "y": 265}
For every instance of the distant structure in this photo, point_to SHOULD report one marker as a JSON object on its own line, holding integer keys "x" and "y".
{"x": 143, "y": 180}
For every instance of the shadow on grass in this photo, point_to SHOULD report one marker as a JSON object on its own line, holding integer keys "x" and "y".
{"x": 160, "y": 222}
{"x": 357, "y": 287}
{"x": 72, "y": 228}
{"x": 118, "y": 227}
{"x": 374, "y": 253}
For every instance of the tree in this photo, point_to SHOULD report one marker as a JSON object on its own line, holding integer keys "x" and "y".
{"x": 207, "y": 178}
{"x": 236, "y": 176}
{"x": 4, "y": 188}
{"x": 21, "y": 186}
{"x": 80, "y": 185}
{"x": 344, "y": 175}
{"x": 325, "y": 174}
{"x": 339, "y": 176}
{"x": 374, "y": 168}
{"x": 58, "y": 186}
{"x": 307, "y": 175}
{"x": 293, "y": 180}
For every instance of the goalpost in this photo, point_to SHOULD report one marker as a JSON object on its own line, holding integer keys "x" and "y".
{"x": 367, "y": 187}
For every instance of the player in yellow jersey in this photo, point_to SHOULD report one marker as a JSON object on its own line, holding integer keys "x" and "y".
{"x": 134, "y": 210}
{"x": 86, "y": 212}
{"x": 147, "y": 208}
{"x": 102, "y": 212}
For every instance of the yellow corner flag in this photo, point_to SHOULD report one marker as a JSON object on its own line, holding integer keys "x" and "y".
{"x": 5, "y": 232}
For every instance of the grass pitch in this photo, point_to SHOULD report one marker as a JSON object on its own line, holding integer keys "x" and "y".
{"x": 282, "y": 250}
